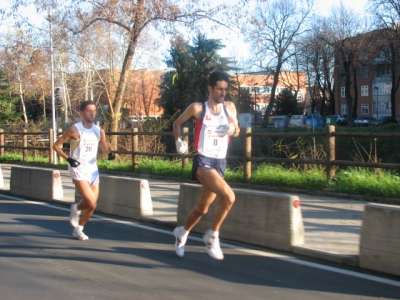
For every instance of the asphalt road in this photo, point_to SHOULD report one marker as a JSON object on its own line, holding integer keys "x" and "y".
{"x": 39, "y": 259}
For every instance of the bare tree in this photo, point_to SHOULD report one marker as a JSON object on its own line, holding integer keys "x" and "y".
{"x": 133, "y": 17}
{"x": 273, "y": 32}
{"x": 37, "y": 83}
{"x": 17, "y": 52}
{"x": 295, "y": 78}
{"x": 318, "y": 59}
{"x": 341, "y": 30}
{"x": 387, "y": 14}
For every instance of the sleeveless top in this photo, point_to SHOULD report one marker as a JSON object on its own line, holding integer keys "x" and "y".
{"x": 208, "y": 140}
{"x": 85, "y": 149}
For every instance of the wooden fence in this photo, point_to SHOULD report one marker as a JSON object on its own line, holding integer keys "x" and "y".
{"x": 329, "y": 134}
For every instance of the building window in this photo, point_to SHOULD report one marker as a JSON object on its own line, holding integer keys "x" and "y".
{"x": 342, "y": 92}
{"x": 364, "y": 90}
{"x": 383, "y": 71}
{"x": 245, "y": 88}
{"x": 365, "y": 109}
{"x": 342, "y": 75}
{"x": 343, "y": 109}
{"x": 364, "y": 55}
{"x": 383, "y": 89}
{"x": 364, "y": 72}
{"x": 265, "y": 90}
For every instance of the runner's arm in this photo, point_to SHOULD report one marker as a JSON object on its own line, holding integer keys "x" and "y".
{"x": 57, "y": 146}
{"x": 193, "y": 110}
{"x": 233, "y": 115}
{"x": 103, "y": 143}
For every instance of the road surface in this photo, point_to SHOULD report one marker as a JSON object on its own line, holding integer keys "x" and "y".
{"x": 39, "y": 259}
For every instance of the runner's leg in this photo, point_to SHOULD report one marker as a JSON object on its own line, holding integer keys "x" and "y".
{"x": 88, "y": 204}
{"x": 205, "y": 200}
{"x": 214, "y": 184}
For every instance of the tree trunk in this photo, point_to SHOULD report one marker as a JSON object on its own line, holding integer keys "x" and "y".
{"x": 355, "y": 89}
{"x": 21, "y": 97}
{"x": 115, "y": 114}
{"x": 272, "y": 100}
{"x": 349, "y": 100}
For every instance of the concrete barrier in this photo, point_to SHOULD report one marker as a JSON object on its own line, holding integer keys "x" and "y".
{"x": 36, "y": 183}
{"x": 1, "y": 179}
{"x": 123, "y": 196}
{"x": 259, "y": 218}
{"x": 380, "y": 238}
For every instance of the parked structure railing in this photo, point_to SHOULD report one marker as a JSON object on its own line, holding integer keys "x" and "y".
{"x": 329, "y": 135}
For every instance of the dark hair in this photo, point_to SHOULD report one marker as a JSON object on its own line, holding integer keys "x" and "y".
{"x": 217, "y": 76}
{"x": 86, "y": 103}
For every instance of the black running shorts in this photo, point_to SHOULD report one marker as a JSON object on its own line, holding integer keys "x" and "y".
{"x": 208, "y": 163}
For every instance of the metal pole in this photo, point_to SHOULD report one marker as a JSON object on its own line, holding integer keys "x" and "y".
{"x": 53, "y": 108}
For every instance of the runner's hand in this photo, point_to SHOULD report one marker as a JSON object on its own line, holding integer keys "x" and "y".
{"x": 73, "y": 162}
{"x": 111, "y": 155}
{"x": 181, "y": 146}
{"x": 228, "y": 129}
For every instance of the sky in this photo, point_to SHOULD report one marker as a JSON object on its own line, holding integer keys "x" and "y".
{"x": 324, "y": 6}
{"x": 235, "y": 46}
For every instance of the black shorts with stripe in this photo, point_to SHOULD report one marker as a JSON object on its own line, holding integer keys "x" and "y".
{"x": 208, "y": 163}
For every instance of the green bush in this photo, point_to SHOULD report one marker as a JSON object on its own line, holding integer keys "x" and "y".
{"x": 276, "y": 176}
{"x": 366, "y": 182}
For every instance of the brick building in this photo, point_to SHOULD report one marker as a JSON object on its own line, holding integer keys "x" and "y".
{"x": 260, "y": 85}
{"x": 371, "y": 75}
{"x": 142, "y": 92}
{"x": 142, "y": 95}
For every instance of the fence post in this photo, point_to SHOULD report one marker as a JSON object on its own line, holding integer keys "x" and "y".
{"x": 330, "y": 152}
{"x": 59, "y": 134}
{"x": 51, "y": 139}
{"x": 24, "y": 144}
{"x": 135, "y": 147}
{"x": 247, "y": 154}
{"x": 1, "y": 142}
{"x": 185, "y": 137}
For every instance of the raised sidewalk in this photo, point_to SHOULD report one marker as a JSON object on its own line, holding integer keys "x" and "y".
{"x": 332, "y": 225}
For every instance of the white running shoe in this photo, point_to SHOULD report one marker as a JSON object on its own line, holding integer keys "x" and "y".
{"x": 212, "y": 245}
{"x": 181, "y": 237}
{"x": 78, "y": 233}
{"x": 74, "y": 215}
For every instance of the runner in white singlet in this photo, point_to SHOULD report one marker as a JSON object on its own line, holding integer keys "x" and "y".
{"x": 210, "y": 139}
{"x": 84, "y": 150}
{"x": 216, "y": 121}
{"x": 84, "y": 138}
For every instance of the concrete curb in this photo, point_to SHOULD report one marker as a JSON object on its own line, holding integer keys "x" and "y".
{"x": 324, "y": 193}
{"x": 351, "y": 260}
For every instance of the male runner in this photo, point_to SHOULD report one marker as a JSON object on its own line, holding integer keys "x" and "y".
{"x": 215, "y": 121}
{"x": 84, "y": 139}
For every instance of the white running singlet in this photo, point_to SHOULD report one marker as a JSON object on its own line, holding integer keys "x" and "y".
{"x": 85, "y": 150}
{"x": 208, "y": 139}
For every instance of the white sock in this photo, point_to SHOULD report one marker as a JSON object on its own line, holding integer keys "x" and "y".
{"x": 214, "y": 234}
{"x": 80, "y": 228}
{"x": 184, "y": 232}
{"x": 75, "y": 208}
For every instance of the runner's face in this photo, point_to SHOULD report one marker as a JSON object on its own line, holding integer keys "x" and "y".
{"x": 89, "y": 113}
{"x": 218, "y": 92}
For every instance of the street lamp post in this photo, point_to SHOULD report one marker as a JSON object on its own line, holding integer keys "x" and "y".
{"x": 255, "y": 96}
{"x": 377, "y": 101}
{"x": 53, "y": 108}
